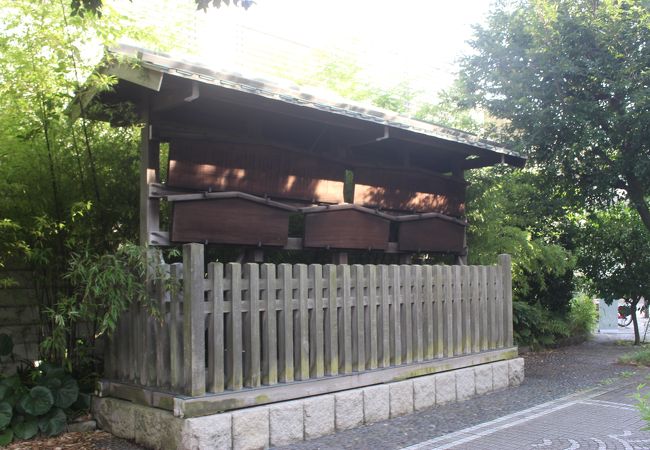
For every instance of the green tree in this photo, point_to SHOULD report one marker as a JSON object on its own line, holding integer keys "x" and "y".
{"x": 571, "y": 78}
{"x": 614, "y": 254}
{"x": 68, "y": 188}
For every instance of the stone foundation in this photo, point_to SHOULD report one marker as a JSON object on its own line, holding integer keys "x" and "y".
{"x": 293, "y": 421}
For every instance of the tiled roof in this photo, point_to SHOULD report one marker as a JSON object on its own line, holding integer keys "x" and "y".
{"x": 293, "y": 95}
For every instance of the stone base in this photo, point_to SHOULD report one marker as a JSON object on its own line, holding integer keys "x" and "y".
{"x": 293, "y": 421}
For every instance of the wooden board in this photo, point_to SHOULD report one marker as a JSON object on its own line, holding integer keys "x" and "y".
{"x": 433, "y": 234}
{"x": 402, "y": 190}
{"x": 346, "y": 229}
{"x": 254, "y": 169}
{"x": 229, "y": 221}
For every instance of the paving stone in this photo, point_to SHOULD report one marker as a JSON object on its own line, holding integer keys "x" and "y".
{"x": 401, "y": 398}
{"x": 319, "y": 416}
{"x": 465, "y": 384}
{"x": 500, "y": 379}
{"x": 376, "y": 403}
{"x": 286, "y": 423}
{"x": 424, "y": 392}
{"x": 213, "y": 431}
{"x": 349, "y": 409}
{"x": 445, "y": 388}
{"x": 516, "y": 371}
{"x": 483, "y": 379}
{"x": 250, "y": 428}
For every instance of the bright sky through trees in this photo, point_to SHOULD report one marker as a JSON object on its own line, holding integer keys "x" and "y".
{"x": 416, "y": 42}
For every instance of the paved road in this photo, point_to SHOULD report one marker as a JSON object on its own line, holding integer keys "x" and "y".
{"x": 601, "y": 418}
{"x": 575, "y": 397}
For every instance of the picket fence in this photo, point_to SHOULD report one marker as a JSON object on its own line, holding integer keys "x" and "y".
{"x": 256, "y": 326}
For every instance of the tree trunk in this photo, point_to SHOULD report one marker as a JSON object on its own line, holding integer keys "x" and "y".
{"x": 637, "y": 336}
{"x": 637, "y": 195}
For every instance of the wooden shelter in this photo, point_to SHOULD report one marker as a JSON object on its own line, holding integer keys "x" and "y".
{"x": 245, "y": 158}
{"x": 245, "y": 155}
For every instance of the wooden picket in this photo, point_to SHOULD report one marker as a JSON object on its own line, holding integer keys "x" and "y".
{"x": 269, "y": 324}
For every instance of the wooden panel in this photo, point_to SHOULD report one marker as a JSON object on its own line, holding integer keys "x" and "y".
{"x": 255, "y": 169}
{"x": 403, "y": 190}
{"x": 433, "y": 234}
{"x": 347, "y": 229}
{"x": 229, "y": 221}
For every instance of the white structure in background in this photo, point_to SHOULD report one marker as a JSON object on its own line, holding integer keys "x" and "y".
{"x": 607, "y": 315}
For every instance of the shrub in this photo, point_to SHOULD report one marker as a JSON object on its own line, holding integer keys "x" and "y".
{"x": 583, "y": 315}
{"x": 536, "y": 326}
{"x": 38, "y": 400}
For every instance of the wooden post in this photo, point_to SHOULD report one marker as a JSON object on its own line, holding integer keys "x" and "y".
{"x": 193, "y": 319}
{"x": 371, "y": 317}
{"x": 466, "y": 298}
{"x": 340, "y": 258}
{"x": 301, "y": 327}
{"x": 149, "y": 173}
{"x": 285, "y": 324}
{"x": 162, "y": 372}
{"x": 358, "y": 325}
{"x": 345, "y": 319}
{"x": 505, "y": 263}
{"x": 395, "y": 315}
{"x": 458, "y": 308}
{"x": 384, "y": 336}
{"x": 216, "y": 379}
{"x": 418, "y": 316}
{"x": 176, "y": 328}
{"x": 269, "y": 329}
{"x": 252, "y": 327}
{"x": 407, "y": 318}
{"x": 331, "y": 321}
{"x": 235, "y": 378}
{"x": 316, "y": 359}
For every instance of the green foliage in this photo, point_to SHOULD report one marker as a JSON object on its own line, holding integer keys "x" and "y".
{"x": 41, "y": 401}
{"x": 643, "y": 404}
{"x": 25, "y": 427}
{"x": 37, "y": 401}
{"x": 638, "y": 357}
{"x": 6, "y": 413}
{"x": 583, "y": 315}
{"x": 513, "y": 212}
{"x": 102, "y": 288}
{"x": 536, "y": 326}
{"x": 614, "y": 255}
{"x": 615, "y": 252}
{"x": 69, "y": 188}
{"x": 570, "y": 79}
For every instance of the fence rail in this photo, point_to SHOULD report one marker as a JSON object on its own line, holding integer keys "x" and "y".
{"x": 262, "y": 325}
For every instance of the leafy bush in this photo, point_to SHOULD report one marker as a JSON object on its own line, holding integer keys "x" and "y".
{"x": 38, "y": 402}
{"x": 536, "y": 326}
{"x": 583, "y": 315}
{"x": 102, "y": 286}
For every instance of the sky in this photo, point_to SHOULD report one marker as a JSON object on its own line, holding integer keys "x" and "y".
{"x": 416, "y": 42}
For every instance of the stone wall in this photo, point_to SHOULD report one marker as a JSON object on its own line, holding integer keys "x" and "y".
{"x": 293, "y": 421}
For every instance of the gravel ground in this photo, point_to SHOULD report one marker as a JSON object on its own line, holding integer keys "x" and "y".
{"x": 550, "y": 375}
